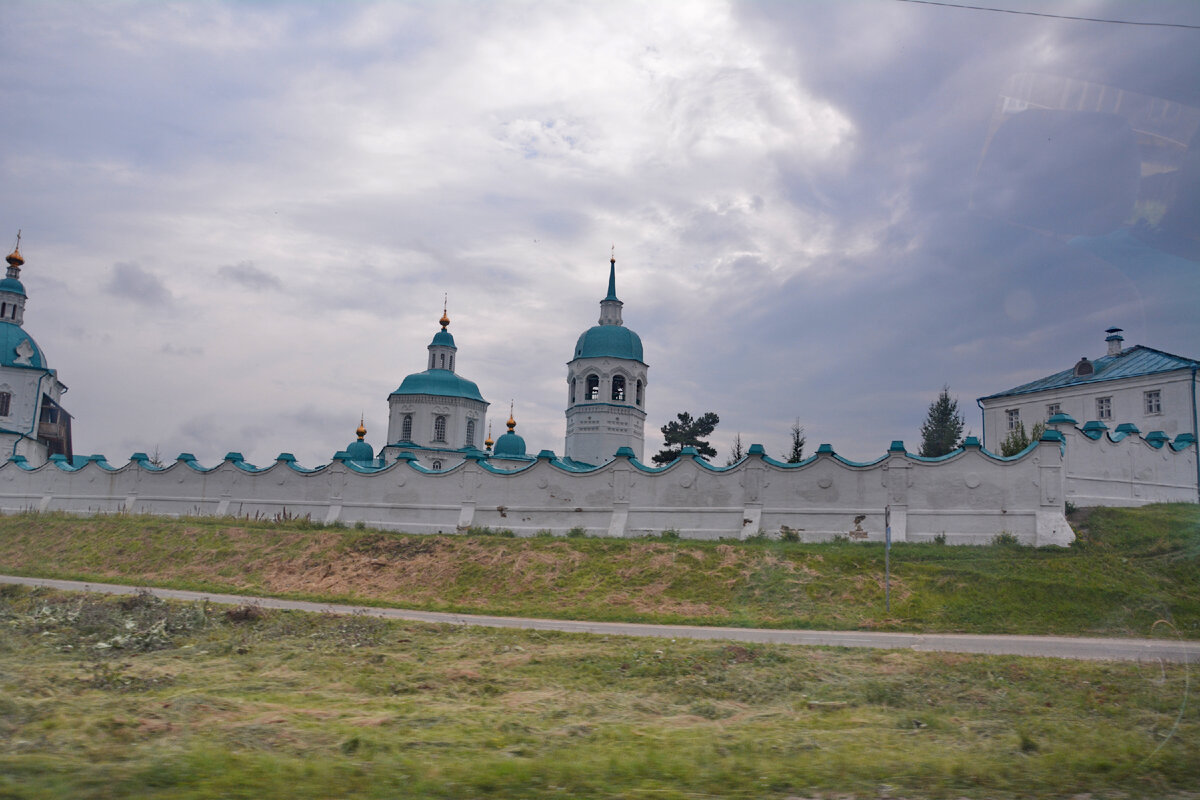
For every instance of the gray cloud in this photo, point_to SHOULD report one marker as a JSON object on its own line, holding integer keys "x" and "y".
{"x": 134, "y": 283}
{"x": 250, "y": 276}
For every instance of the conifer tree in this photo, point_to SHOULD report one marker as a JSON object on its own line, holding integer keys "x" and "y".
{"x": 942, "y": 431}
{"x": 736, "y": 453}
{"x": 687, "y": 432}
{"x": 1016, "y": 441}
{"x": 796, "y": 454}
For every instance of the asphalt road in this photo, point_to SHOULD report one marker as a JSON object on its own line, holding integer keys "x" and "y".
{"x": 1172, "y": 650}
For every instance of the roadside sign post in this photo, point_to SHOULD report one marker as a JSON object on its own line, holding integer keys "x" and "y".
{"x": 887, "y": 562}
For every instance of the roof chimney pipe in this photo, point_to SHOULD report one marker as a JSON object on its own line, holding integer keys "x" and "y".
{"x": 1114, "y": 340}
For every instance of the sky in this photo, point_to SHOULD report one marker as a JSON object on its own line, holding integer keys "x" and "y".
{"x": 240, "y": 219}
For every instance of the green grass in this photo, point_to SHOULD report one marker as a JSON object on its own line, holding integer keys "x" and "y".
{"x": 1133, "y": 572}
{"x": 106, "y": 697}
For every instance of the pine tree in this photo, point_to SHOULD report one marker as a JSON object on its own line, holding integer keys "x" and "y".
{"x": 942, "y": 431}
{"x": 736, "y": 453}
{"x": 687, "y": 432}
{"x": 1016, "y": 441}
{"x": 796, "y": 455}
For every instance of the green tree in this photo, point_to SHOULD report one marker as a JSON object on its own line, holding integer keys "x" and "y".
{"x": 796, "y": 454}
{"x": 687, "y": 432}
{"x": 736, "y": 453}
{"x": 1016, "y": 441}
{"x": 942, "y": 431}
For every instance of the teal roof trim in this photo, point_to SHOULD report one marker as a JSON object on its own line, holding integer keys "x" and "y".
{"x": 1132, "y": 362}
{"x": 439, "y": 383}
{"x": 612, "y": 341}
{"x": 11, "y": 337}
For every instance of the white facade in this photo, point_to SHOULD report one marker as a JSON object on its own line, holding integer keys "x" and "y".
{"x": 606, "y": 387}
{"x": 1151, "y": 390}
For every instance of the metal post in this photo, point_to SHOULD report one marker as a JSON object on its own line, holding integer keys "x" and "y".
{"x": 887, "y": 562}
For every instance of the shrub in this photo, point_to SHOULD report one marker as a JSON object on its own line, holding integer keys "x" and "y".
{"x": 1006, "y": 539}
{"x": 577, "y": 532}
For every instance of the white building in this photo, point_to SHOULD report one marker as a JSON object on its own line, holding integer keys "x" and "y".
{"x": 33, "y": 425}
{"x": 1128, "y": 390}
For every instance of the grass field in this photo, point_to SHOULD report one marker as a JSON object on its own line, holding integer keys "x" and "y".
{"x": 1133, "y": 572}
{"x": 105, "y": 697}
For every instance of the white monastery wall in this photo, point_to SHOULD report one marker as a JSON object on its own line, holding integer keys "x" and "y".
{"x": 1108, "y": 468}
{"x": 969, "y": 496}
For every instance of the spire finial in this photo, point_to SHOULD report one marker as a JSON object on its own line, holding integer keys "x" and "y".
{"x": 487, "y": 443}
{"x": 445, "y": 320}
{"x": 612, "y": 275}
{"x": 362, "y": 431}
{"x": 512, "y": 422}
{"x": 14, "y": 258}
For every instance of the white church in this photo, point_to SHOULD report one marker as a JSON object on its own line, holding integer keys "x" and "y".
{"x": 1121, "y": 430}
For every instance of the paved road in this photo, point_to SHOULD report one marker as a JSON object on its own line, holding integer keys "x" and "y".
{"x": 1172, "y": 650}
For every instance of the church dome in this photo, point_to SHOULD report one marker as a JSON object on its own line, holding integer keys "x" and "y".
{"x": 442, "y": 339}
{"x": 439, "y": 383}
{"x": 509, "y": 444}
{"x": 360, "y": 451}
{"x": 615, "y": 341}
{"x": 18, "y": 349}
{"x": 12, "y": 285}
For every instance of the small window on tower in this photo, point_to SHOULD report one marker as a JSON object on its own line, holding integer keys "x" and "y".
{"x": 573, "y": 390}
{"x": 439, "y": 428}
{"x": 443, "y": 362}
{"x": 593, "y": 387}
{"x": 639, "y": 393}
{"x": 452, "y": 363}
{"x": 406, "y": 428}
{"x": 470, "y": 433}
{"x": 618, "y": 388}
{"x": 5, "y": 403}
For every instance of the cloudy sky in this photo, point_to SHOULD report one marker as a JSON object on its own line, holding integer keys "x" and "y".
{"x": 240, "y": 219}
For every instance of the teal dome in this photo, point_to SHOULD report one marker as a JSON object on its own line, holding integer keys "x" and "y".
{"x": 440, "y": 383}
{"x": 615, "y": 341}
{"x": 442, "y": 339}
{"x": 360, "y": 451}
{"x": 11, "y": 337}
{"x": 510, "y": 444}
{"x": 12, "y": 285}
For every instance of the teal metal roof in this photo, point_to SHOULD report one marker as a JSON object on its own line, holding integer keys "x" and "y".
{"x": 1131, "y": 362}
{"x": 442, "y": 339}
{"x": 509, "y": 444}
{"x": 11, "y": 337}
{"x": 12, "y": 285}
{"x": 615, "y": 341}
{"x": 360, "y": 451}
{"x": 440, "y": 383}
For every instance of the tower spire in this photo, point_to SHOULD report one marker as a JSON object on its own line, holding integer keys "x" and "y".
{"x": 612, "y": 275}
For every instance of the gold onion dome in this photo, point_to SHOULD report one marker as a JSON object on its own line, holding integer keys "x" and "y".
{"x": 14, "y": 258}
{"x": 487, "y": 443}
{"x": 361, "y": 431}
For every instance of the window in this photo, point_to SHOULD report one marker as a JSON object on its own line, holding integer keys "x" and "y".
{"x": 1154, "y": 401}
{"x": 593, "y": 387}
{"x": 1084, "y": 367}
{"x": 572, "y": 390}
{"x": 639, "y": 393}
{"x": 618, "y": 388}
{"x": 1052, "y": 409}
{"x": 437, "y": 465}
{"x": 1103, "y": 408}
{"x": 432, "y": 363}
{"x": 452, "y": 362}
{"x": 439, "y": 428}
{"x": 443, "y": 364}
{"x": 5, "y": 403}
{"x": 1013, "y": 417}
{"x": 470, "y": 433}
{"x": 406, "y": 428}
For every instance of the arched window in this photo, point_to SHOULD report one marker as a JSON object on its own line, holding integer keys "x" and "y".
{"x": 432, "y": 362}
{"x": 439, "y": 428}
{"x": 639, "y": 393}
{"x": 573, "y": 390}
{"x": 470, "y": 433}
{"x": 5, "y": 403}
{"x": 443, "y": 361}
{"x": 618, "y": 388}
{"x": 452, "y": 362}
{"x": 593, "y": 387}
{"x": 437, "y": 465}
{"x": 406, "y": 428}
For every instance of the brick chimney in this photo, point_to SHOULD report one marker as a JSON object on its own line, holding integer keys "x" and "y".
{"x": 1114, "y": 340}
